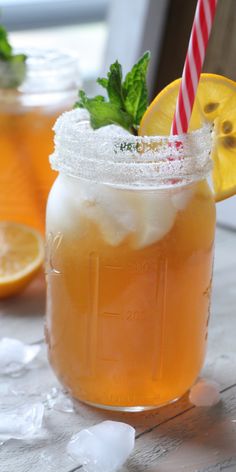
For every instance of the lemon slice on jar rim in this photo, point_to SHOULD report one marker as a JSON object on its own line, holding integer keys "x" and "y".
{"x": 215, "y": 103}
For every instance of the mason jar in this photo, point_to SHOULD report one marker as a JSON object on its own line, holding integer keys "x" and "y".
{"x": 27, "y": 114}
{"x": 130, "y": 235}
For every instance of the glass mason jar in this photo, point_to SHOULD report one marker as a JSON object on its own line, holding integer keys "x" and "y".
{"x": 130, "y": 234}
{"x": 27, "y": 115}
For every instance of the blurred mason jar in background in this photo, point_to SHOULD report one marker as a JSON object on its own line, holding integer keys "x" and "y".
{"x": 27, "y": 115}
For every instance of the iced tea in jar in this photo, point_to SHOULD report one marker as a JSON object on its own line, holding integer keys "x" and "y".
{"x": 27, "y": 114}
{"x": 130, "y": 234}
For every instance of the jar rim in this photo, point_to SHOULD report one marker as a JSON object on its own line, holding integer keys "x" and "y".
{"x": 113, "y": 156}
{"x": 48, "y": 70}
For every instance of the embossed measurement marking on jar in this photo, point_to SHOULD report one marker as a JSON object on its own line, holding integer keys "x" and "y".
{"x": 53, "y": 244}
{"x": 160, "y": 325}
{"x": 126, "y": 302}
{"x": 207, "y": 293}
{"x": 92, "y": 319}
{"x": 111, "y": 314}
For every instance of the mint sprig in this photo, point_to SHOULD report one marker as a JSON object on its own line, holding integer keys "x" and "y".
{"x": 12, "y": 66}
{"x": 127, "y": 100}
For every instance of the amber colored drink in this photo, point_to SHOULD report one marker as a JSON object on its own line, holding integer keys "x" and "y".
{"x": 27, "y": 115}
{"x": 26, "y": 140}
{"x": 127, "y": 321}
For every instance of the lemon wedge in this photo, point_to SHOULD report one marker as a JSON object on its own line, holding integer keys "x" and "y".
{"x": 21, "y": 256}
{"x": 215, "y": 103}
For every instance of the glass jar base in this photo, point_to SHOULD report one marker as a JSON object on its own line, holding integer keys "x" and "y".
{"x": 130, "y": 408}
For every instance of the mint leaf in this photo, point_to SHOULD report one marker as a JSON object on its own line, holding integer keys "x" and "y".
{"x": 114, "y": 85}
{"x": 84, "y": 100}
{"x": 135, "y": 89}
{"x": 12, "y": 66}
{"x": 103, "y": 113}
{"x": 127, "y": 101}
{"x": 103, "y": 82}
{"x": 5, "y": 47}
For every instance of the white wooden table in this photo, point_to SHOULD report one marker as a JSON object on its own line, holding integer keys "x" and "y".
{"x": 176, "y": 438}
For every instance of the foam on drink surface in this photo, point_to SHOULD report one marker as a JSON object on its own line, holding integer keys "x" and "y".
{"x": 145, "y": 214}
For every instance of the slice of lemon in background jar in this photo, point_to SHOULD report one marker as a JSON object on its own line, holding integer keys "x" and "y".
{"x": 21, "y": 256}
{"x": 215, "y": 103}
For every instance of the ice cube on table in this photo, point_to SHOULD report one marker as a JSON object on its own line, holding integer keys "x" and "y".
{"x": 104, "y": 447}
{"x": 64, "y": 404}
{"x": 14, "y": 355}
{"x": 205, "y": 393}
{"x": 21, "y": 422}
{"x": 58, "y": 400}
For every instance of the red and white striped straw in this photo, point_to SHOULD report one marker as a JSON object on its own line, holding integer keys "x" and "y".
{"x": 200, "y": 33}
